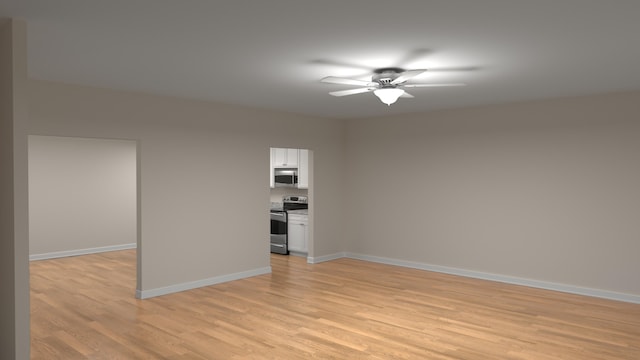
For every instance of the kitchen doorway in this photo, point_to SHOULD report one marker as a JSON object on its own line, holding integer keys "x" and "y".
{"x": 291, "y": 201}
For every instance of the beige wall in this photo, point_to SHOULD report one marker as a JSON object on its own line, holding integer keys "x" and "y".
{"x": 204, "y": 168}
{"x": 82, "y": 194}
{"x": 14, "y": 270}
{"x": 545, "y": 191}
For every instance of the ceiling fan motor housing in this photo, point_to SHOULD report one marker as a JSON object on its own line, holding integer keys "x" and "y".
{"x": 385, "y": 76}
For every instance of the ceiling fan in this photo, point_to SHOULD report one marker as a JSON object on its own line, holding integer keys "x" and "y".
{"x": 387, "y": 84}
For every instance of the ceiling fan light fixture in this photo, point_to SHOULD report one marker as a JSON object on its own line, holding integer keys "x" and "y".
{"x": 388, "y": 95}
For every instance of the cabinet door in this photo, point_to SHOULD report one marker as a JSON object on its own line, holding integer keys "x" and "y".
{"x": 292, "y": 158}
{"x": 271, "y": 178}
{"x": 284, "y": 157}
{"x": 278, "y": 157}
{"x": 303, "y": 169}
{"x": 296, "y": 236}
{"x": 305, "y": 236}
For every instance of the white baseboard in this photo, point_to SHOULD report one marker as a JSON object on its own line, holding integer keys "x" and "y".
{"x": 297, "y": 253}
{"x": 59, "y": 254}
{"x": 146, "y": 294}
{"x": 319, "y": 259}
{"x": 631, "y": 298}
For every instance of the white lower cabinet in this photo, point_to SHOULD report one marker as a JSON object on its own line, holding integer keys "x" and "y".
{"x": 298, "y": 233}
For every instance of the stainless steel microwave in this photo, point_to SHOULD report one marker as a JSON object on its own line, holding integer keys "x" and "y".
{"x": 285, "y": 177}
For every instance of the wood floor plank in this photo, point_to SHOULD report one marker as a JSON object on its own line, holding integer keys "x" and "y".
{"x": 84, "y": 308}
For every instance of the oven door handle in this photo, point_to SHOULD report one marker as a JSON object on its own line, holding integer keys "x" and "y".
{"x": 278, "y": 245}
{"x": 278, "y": 214}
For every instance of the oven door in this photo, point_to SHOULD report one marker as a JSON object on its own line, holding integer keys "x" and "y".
{"x": 279, "y": 232}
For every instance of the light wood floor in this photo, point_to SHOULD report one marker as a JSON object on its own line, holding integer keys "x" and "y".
{"x": 84, "y": 308}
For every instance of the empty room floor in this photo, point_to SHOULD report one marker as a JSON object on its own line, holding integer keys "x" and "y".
{"x": 84, "y": 308}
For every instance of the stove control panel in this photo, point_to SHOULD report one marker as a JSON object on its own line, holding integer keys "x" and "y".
{"x": 295, "y": 199}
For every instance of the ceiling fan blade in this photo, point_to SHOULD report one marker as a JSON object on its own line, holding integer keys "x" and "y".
{"x": 455, "y": 69}
{"x": 345, "y": 81}
{"x": 413, "y": 56}
{"x": 406, "y": 95}
{"x": 407, "y": 75}
{"x": 343, "y": 64}
{"x": 351, "y": 91}
{"x": 432, "y": 85}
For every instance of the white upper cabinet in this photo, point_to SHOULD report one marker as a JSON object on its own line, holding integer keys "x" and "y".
{"x": 284, "y": 157}
{"x": 290, "y": 158}
{"x": 303, "y": 169}
{"x": 271, "y": 178}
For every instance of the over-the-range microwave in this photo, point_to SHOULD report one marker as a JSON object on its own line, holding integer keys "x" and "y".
{"x": 285, "y": 177}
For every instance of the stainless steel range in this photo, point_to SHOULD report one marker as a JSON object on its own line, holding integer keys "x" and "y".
{"x": 279, "y": 226}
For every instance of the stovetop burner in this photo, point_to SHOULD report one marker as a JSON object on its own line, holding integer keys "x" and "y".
{"x": 291, "y": 202}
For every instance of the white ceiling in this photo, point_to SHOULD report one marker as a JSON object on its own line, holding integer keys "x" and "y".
{"x": 272, "y": 53}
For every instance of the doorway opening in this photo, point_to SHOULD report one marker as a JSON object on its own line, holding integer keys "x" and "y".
{"x": 291, "y": 201}
{"x": 83, "y": 205}
{"x": 82, "y": 196}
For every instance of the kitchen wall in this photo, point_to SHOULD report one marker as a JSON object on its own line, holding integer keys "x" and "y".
{"x": 197, "y": 224}
{"x": 276, "y": 194}
{"x": 546, "y": 190}
{"x": 82, "y": 195}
